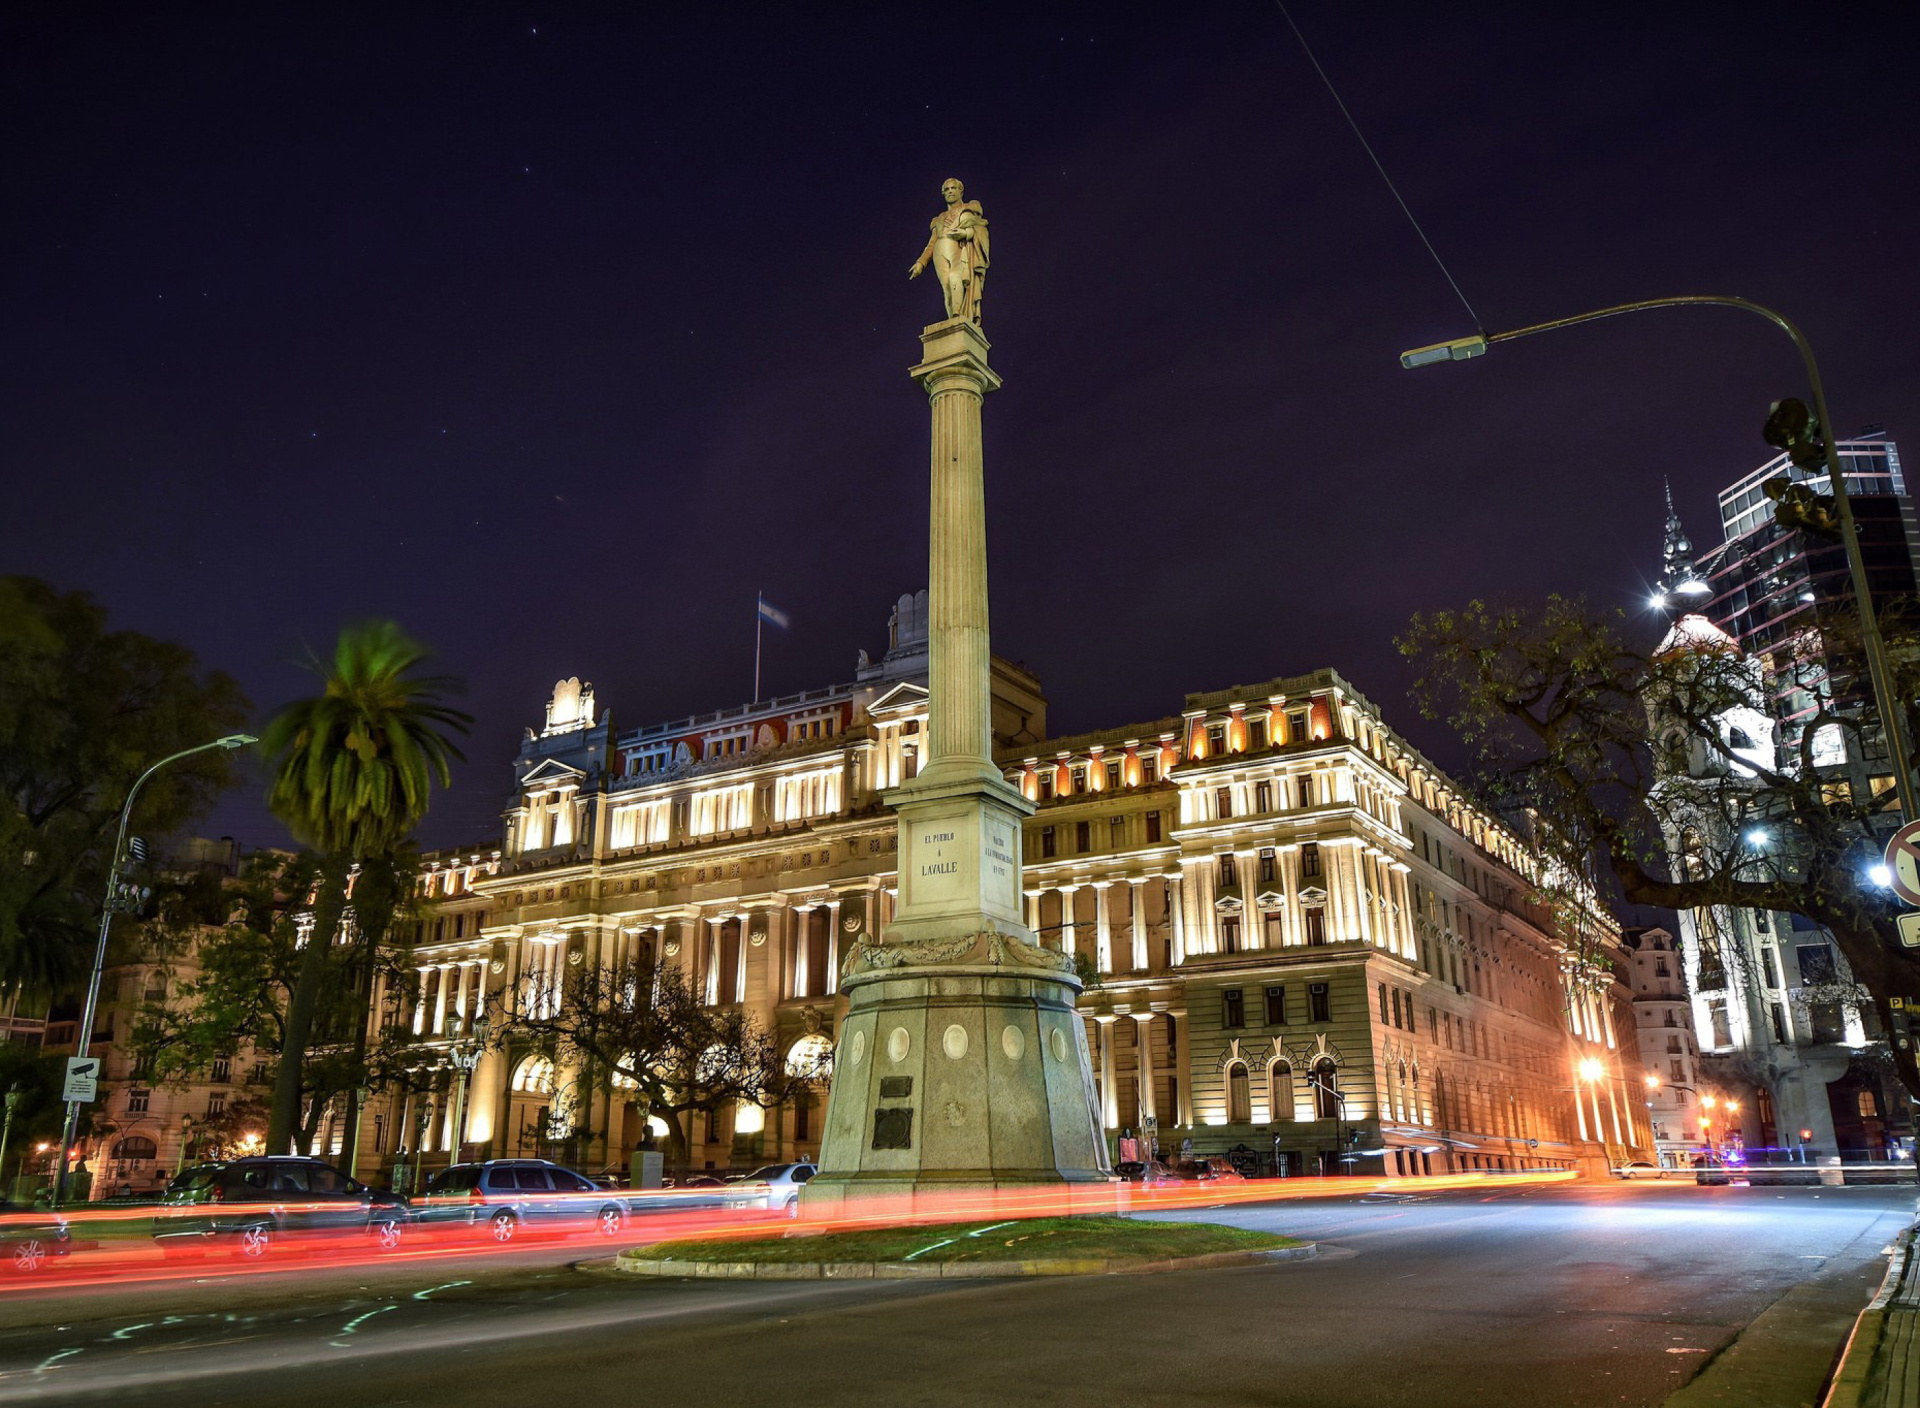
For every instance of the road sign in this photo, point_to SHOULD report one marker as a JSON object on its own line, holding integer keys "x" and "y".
{"x": 1909, "y": 925}
{"x": 83, "y": 1079}
{"x": 1903, "y": 862}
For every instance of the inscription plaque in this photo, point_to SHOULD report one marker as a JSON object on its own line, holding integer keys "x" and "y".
{"x": 896, "y": 1087}
{"x": 893, "y": 1127}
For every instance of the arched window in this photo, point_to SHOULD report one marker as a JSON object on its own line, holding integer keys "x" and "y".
{"x": 135, "y": 1146}
{"x": 534, "y": 1076}
{"x": 1239, "y": 1096}
{"x": 1280, "y": 1092}
{"x": 810, "y": 1058}
{"x": 1326, "y": 1102}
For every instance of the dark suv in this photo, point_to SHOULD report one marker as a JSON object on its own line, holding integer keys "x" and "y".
{"x": 249, "y": 1205}
{"x": 505, "y": 1197}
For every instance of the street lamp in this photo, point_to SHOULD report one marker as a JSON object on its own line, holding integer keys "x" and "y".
{"x": 465, "y": 1053}
{"x": 119, "y": 900}
{"x": 1878, "y": 672}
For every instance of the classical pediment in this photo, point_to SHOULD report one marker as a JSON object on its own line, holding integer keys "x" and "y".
{"x": 1270, "y": 899}
{"x": 1313, "y": 894}
{"x": 551, "y": 772}
{"x": 904, "y": 698}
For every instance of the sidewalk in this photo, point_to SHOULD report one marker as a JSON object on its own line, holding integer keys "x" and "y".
{"x": 1880, "y": 1367}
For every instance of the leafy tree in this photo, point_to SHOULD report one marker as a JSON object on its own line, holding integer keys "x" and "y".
{"x": 1638, "y": 762}
{"x": 643, "y": 1025}
{"x": 83, "y": 711}
{"x": 353, "y": 769}
{"x": 241, "y": 959}
{"x": 36, "y": 1077}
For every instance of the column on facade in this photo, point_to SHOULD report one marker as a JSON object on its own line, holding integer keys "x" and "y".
{"x": 420, "y": 1002}
{"x": 1183, "y": 1066}
{"x": 1109, "y": 1099}
{"x": 1176, "y": 913}
{"x": 1068, "y": 940}
{"x": 743, "y": 921}
{"x": 710, "y": 975}
{"x": 801, "y": 976}
{"x": 1138, "y": 922}
{"x": 1143, "y": 1060}
{"x": 833, "y": 946}
{"x": 440, "y": 998}
{"x": 1102, "y": 927}
{"x": 460, "y": 997}
{"x": 1033, "y": 911}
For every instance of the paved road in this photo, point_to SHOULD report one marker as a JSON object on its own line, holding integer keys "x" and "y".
{"x": 1567, "y": 1295}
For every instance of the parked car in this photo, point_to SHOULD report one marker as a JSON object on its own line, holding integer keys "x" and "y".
{"x": 248, "y": 1206}
{"x": 1191, "y": 1171}
{"x": 1637, "y": 1168}
{"x": 782, "y": 1185}
{"x": 507, "y": 1197}
{"x": 30, "y": 1237}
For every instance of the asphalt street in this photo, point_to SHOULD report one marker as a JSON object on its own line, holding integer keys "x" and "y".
{"x": 1562, "y": 1294}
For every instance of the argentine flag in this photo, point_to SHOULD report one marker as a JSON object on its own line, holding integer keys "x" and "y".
{"x": 773, "y": 615}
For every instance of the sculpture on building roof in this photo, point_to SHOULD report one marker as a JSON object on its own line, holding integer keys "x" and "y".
{"x": 570, "y": 708}
{"x": 958, "y": 249}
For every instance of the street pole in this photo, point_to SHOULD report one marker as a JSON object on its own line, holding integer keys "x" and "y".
{"x": 353, "y": 1141}
{"x": 13, "y": 1098}
{"x": 1879, "y": 674}
{"x": 113, "y": 905}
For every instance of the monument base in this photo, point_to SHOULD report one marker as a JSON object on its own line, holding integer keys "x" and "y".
{"x": 961, "y": 1064}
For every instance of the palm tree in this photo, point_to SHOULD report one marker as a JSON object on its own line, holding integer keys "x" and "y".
{"x": 353, "y": 769}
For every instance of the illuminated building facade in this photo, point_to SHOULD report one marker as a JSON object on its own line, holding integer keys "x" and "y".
{"x": 1770, "y": 992}
{"x": 1303, "y": 946}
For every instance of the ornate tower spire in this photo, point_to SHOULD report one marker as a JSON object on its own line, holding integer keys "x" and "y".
{"x": 1680, "y": 587}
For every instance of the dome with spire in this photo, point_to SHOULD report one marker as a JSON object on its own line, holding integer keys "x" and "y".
{"x": 1680, "y": 585}
{"x": 1694, "y": 634}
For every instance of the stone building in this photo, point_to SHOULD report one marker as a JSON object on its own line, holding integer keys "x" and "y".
{"x": 1669, "y": 1054}
{"x": 1304, "y": 947}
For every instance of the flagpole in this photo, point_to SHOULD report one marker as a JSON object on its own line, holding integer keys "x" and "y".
{"x": 759, "y": 622}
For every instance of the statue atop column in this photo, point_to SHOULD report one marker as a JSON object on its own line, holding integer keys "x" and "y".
{"x": 957, "y": 248}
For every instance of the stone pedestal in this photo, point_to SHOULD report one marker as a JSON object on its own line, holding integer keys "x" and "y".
{"x": 961, "y": 1062}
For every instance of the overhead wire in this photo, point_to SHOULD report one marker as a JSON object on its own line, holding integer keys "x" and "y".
{"x": 1377, "y": 166}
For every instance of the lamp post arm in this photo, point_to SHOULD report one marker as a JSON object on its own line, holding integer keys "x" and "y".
{"x": 1879, "y": 673}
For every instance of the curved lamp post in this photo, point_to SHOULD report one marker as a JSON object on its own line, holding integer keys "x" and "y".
{"x": 119, "y": 900}
{"x": 1461, "y": 349}
{"x": 465, "y": 1053}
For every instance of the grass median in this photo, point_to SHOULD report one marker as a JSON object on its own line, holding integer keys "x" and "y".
{"x": 1034, "y": 1239}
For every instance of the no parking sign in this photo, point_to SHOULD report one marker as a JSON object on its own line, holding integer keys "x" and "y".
{"x": 1903, "y": 862}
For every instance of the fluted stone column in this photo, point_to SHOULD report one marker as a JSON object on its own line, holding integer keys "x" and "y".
{"x": 1139, "y": 923}
{"x": 962, "y": 1061}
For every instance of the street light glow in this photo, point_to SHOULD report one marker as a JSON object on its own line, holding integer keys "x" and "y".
{"x": 1881, "y": 876}
{"x": 1591, "y": 1069}
{"x": 1756, "y": 838}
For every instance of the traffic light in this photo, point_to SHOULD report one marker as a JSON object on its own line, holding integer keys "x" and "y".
{"x": 1792, "y": 427}
{"x": 1797, "y": 506}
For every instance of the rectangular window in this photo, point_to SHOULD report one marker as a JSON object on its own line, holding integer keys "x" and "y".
{"x": 1079, "y": 781}
{"x": 1113, "y": 777}
{"x": 1229, "y": 871}
{"x": 1816, "y": 964}
{"x": 1383, "y": 1002}
{"x": 1216, "y": 740}
{"x": 1082, "y": 837}
{"x": 1233, "y": 1010}
{"x": 1306, "y": 789}
{"x": 1297, "y": 726}
{"x": 137, "y": 1101}
{"x": 1153, "y": 828}
{"x": 1256, "y": 735}
{"x": 1046, "y": 785}
{"x": 1315, "y": 922}
{"x": 1150, "y": 769}
{"x": 1396, "y": 1006}
{"x": 1310, "y": 859}
{"x": 1271, "y": 927}
{"x": 1117, "y": 832}
{"x": 222, "y": 1070}
{"x": 216, "y": 1103}
{"x": 1230, "y": 933}
{"x": 1223, "y": 802}
{"x": 1319, "y": 1004}
{"x": 1277, "y": 1006}
{"x": 1263, "y": 797}
{"x": 1266, "y": 866}
{"x": 1049, "y": 842}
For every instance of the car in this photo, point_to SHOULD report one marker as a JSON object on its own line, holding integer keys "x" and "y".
{"x": 1190, "y": 1171}
{"x": 1637, "y": 1168}
{"x": 775, "y": 1187}
{"x": 31, "y": 1237}
{"x": 504, "y": 1198}
{"x": 251, "y": 1205}
{"x": 1710, "y": 1169}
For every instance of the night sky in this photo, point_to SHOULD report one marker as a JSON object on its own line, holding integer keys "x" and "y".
{"x": 556, "y": 333}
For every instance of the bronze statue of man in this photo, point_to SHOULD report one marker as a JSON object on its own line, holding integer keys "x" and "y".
{"x": 957, "y": 248}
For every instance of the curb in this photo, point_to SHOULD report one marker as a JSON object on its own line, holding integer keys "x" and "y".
{"x": 1866, "y": 1375}
{"x": 943, "y": 1271}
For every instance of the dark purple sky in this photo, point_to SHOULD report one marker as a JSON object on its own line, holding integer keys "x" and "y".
{"x": 556, "y": 333}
